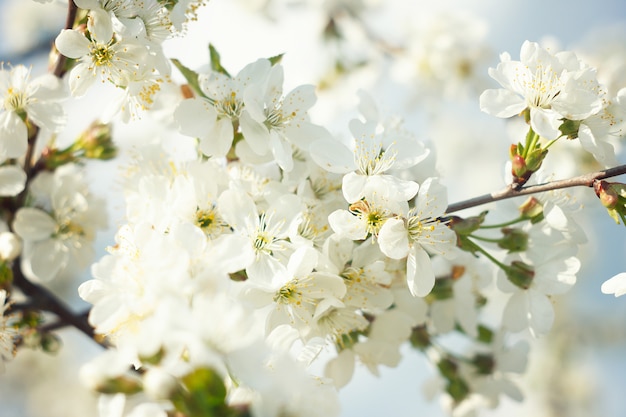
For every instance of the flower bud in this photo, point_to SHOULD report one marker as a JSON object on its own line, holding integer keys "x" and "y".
{"x": 532, "y": 209}
{"x": 520, "y": 274}
{"x": 420, "y": 338}
{"x": 10, "y": 246}
{"x": 569, "y": 128}
{"x": 514, "y": 240}
{"x": 522, "y": 167}
{"x": 484, "y": 363}
{"x": 50, "y": 343}
{"x": 96, "y": 142}
{"x": 466, "y": 226}
{"x": 612, "y": 195}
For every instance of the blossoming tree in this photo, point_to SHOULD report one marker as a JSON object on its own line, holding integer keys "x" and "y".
{"x": 254, "y": 273}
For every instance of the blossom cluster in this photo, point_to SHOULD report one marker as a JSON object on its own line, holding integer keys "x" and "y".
{"x": 276, "y": 244}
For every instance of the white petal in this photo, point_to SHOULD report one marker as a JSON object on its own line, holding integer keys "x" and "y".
{"x": 81, "y": 78}
{"x": 332, "y": 156}
{"x": 419, "y": 272}
{"x": 501, "y": 103}
{"x": 346, "y": 224}
{"x": 47, "y": 258}
{"x": 616, "y": 285}
{"x": 219, "y": 139}
{"x": 100, "y": 26}
{"x": 13, "y": 136}
{"x": 393, "y": 239}
{"x": 195, "y": 117}
{"x": 72, "y": 44}
{"x": 256, "y": 134}
{"x": 299, "y": 100}
{"x": 341, "y": 368}
{"x": 432, "y": 199}
{"x": 602, "y": 151}
{"x": 12, "y": 180}
{"x": 281, "y": 149}
{"x": 353, "y": 186}
{"x": 33, "y": 224}
{"x": 545, "y": 122}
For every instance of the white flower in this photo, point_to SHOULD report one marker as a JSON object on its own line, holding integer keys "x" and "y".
{"x": 367, "y": 160}
{"x": 24, "y": 101}
{"x": 61, "y": 234}
{"x": 271, "y": 122}
{"x": 615, "y": 285}
{"x": 362, "y": 268}
{"x": 104, "y": 56}
{"x": 211, "y": 119}
{"x": 377, "y": 148}
{"x": 300, "y": 295}
{"x": 185, "y": 11}
{"x": 595, "y": 131}
{"x": 365, "y": 217}
{"x": 551, "y": 86}
{"x": 266, "y": 232}
{"x": 445, "y": 56}
{"x": 417, "y": 230}
{"x": 530, "y": 306}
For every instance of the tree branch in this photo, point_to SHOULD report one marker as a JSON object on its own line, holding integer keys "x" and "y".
{"x": 586, "y": 180}
{"x": 59, "y": 67}
{"x": 42, "y": 299}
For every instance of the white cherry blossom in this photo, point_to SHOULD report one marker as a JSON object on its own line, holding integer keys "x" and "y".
{"x": 552, "y": 86}
{"x": 25, "y": 100}
{"x": 103, "y": 56}
{"x": 418, "y": 230}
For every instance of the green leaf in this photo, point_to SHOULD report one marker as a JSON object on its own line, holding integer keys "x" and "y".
{"x": 216, "y": 64}
{"x": 205, "y": 395}
{"x": 276, "y": 59}
{"x": 190, "y": 75}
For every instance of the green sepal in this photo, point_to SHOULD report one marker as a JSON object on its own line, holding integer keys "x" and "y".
{"x": 467, "y": 226}
{"x": 514, "y": 240}
{"x": 216, "y": 64}
{"x": 190, "y": 75}
{"x": 204, "y": 395}
{"x": 276, "y": 59}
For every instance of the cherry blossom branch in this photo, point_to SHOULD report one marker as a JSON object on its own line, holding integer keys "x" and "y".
{"x": 72, "y": 9}
{"x": 42, "y": 299}
{"x": 586, "y": 180}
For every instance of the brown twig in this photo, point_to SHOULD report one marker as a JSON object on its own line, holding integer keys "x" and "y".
{"x": 586, "y": 180}
{"x": 72, "y": 9}
{"x": 42, "y": 299}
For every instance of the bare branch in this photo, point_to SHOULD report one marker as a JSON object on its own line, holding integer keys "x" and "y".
{"x": 59, "y": 66}
{"x": 42, "y": 299}
{"x": 586, "y": 180}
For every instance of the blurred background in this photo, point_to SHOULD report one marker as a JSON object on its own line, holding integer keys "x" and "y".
{"x": 427, "y": 64}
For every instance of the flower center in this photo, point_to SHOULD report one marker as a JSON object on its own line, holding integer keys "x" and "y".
{"x": 102, "y": 55}
{"x": 374, "y": 218}
{"x": 15, "y": 100}
{"x": 230, "y": 107}
{"x": 543, "y": 87}
{"x": 288, "y": 294}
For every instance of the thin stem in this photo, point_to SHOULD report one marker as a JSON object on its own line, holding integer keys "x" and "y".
{"x": 72, "y": 9}
{"x": 505, "y": 224}
{"x": 41, "y": 298}
{"x": 491, "y": 258}
{"x": 485, "y": 239}
{"x": 586, "y": 180}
